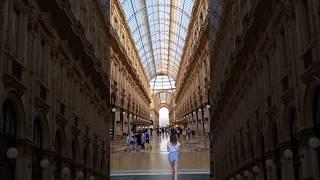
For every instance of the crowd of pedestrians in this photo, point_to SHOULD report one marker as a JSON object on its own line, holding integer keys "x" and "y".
{"x": 139, "y": 140}
{"x": 186, "y": 133}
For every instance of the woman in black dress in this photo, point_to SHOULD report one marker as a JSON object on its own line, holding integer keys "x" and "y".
{"x": 138, "y": 136}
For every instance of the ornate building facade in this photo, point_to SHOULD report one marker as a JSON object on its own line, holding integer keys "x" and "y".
{"x": 191, "y": 97}
{"x": 129, "y": 85}
{"x": 264, "y": 89}
{"x": 54, "y": 90}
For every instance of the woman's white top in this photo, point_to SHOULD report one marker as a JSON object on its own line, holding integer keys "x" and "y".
{"x": 172, "y": 148}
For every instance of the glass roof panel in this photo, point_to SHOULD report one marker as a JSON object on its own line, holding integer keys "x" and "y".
{"x": 163, "y": 97}
{"x": 159, "y": 29}
{"x": 162, "y": 83}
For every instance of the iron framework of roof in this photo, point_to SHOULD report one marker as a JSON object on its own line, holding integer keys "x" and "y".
{"x": 159, "y": 29}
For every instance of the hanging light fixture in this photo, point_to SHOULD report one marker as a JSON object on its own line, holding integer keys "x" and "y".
{"x": 255, "y": 169}
{"x": 238, "y": 176}
{"x": 65, "y": 171}
{"x": 269, "y": 163}
{"x": 44, "y": 163}
{"x": 288, "y": 153}
{"x": 314, "y": 142}
{"x": 114, "y": 109}
{"x": 12, "y": 153}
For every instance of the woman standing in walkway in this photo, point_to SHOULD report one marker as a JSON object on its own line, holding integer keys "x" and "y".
{"x": 173, "y": 146}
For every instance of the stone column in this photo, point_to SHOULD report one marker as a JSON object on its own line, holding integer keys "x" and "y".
{"x": 199, "y": 121}
{"x": 272, "y": 172}
{"x": 259, "y": 175}
{"x": 194, "y": 118}
{"x": 129, "y": 121}
{"x": 126, "y": 126}
{"x": 117, "y": 130}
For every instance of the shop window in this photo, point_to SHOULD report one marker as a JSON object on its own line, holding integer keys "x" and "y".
{"x": 73, "y": 158}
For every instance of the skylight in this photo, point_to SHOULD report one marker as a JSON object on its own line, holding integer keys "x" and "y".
{"x": 159, "y": 29}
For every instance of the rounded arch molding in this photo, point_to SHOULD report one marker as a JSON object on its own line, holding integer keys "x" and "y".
{"x": 61, "y": 133}
{"x": 310, "y": 92}
{"x": 15, "y": 99}
{"x": 41, "y": 115}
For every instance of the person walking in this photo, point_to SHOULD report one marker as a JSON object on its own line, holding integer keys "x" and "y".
{"x": 173, "y": 147}
{"x": 143, "y": 139}
{"x": 132, "y": 140}
{"x": 148, "y": 137}
{"x": 178, "y": 132}
{"x": 184, "y": 133}
{"x": 138, "y": 137}
{"x": 189, "y": 133}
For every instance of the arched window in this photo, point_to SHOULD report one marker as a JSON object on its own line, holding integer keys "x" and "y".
{"x": 86, "y": 160}
{"x": 113, "y": 99}
{"x": 316, "y": 112}
{"x": 112, "y": 123}
{"x": 95, "y": 160}
{"x": 37, "y": 150}
{"x": 275, "y": 144}
{"x": 37, "y": 134}
{"x": 9, "y": 119}
{"x": 73, "y": 158}
{"x": 8, "y": 130}
{"x": 73, "y": 150}
{"x": 261, "y": 145}
{"x": 58, "y": 156}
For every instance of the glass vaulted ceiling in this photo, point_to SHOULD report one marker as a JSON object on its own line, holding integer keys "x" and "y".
{"x": 159, "y": 29}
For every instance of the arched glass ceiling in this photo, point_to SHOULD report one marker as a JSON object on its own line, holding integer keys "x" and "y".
{"x": 163, "y": 97}
{"x": 162, "y": 88}
{"x": 159, "y": 29}
{"x": 162, "y": 82}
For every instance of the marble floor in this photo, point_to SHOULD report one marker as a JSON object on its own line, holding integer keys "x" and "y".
{"x": 195, "y": 159}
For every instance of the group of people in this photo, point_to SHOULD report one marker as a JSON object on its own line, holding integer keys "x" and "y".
{"x": 162, "y": 131}
{"x": 139, "y": 140}
{"x": 185, "y": 132}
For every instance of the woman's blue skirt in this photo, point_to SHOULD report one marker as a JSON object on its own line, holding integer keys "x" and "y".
{"x": 174, "y": 157}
